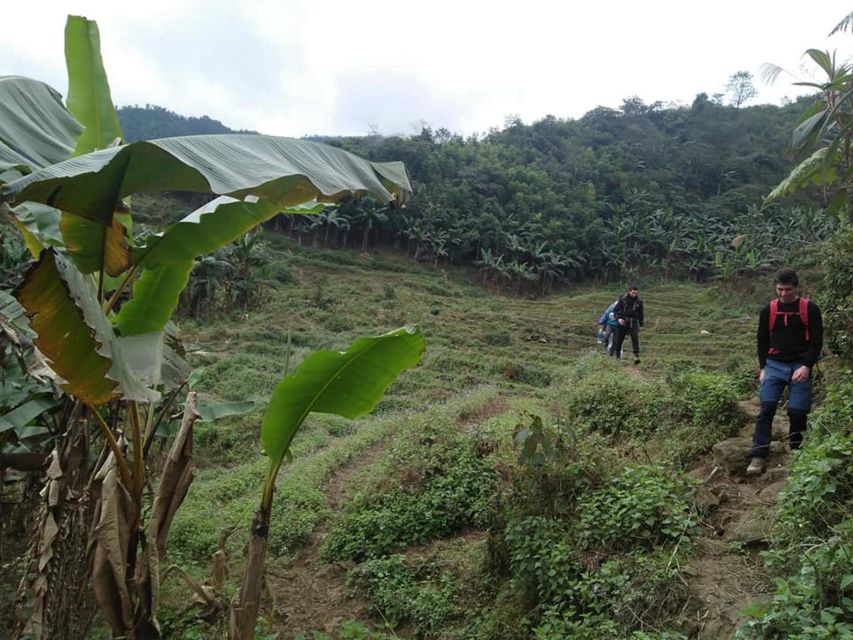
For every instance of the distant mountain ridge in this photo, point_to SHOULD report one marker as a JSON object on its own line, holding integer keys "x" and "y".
{"x": 151, "y": 121}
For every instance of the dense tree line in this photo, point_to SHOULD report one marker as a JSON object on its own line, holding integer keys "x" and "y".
{"x": 676, "y": 189}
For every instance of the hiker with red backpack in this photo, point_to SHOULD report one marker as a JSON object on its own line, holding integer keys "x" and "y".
{"x": 790, "y": 339}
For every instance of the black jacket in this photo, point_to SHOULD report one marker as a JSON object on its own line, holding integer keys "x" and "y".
{"x": 788, "y": 341}
{"x": 630, "y": 309}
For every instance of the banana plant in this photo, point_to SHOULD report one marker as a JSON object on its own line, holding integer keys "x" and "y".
{"x": 824, "y": 127}
{"x": 347, "y": 383}
{"x": 67, "y": 185}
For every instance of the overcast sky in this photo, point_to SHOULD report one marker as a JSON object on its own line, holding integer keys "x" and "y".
{"x": 294, "y": 67}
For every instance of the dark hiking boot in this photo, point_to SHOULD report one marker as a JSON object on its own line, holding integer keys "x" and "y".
{"x": 636, "y": 361}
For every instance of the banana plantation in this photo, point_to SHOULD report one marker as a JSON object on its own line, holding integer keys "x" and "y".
{"x": 347, "y": 387}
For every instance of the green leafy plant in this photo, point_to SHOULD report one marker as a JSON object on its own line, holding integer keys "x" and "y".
{"x": 346, "y": 383}
{"x": 643, "y": 507}
{"x": 402, "y": 590}
{"x": 442, "y": 487}
{"x": 706, "y": 398}
{"x": 824, "y": 125}
{"x": 113, "y": 355}
{"x": 614, "y": 403}
{"x": 836, "y": 296}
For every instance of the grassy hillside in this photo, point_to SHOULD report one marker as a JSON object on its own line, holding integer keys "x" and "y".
{"x": 401, "y": 514}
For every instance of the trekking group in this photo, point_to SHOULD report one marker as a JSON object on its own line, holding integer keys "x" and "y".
{"x": 789, "y": 341}
{"x": 622, "y": 318}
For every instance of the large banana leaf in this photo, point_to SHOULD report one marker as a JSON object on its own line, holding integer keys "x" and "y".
{"x": 209, "y": 227}
{"x": 93, "y": 247}
{"x": 36, "y": 130}
{"x": 282, "y": 171}
{"x": 347, "y": 383}
{"x": 74, "y": 334}
{"x": 21, "y": 416}
{"x": 213, "y": 412}
{"x": 39, "y": 226}
{"x": 155, "y": 296}
{"x": 816, "y": 169}
{"x": 156, "y": 358}
{"x": 167, "y": 259}
{"x": 89, "y": 97}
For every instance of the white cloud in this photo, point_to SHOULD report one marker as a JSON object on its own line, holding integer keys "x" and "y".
{"x": 301, "y": 67}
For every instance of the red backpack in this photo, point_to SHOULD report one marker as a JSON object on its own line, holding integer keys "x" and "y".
{"x": 803, "y": 312}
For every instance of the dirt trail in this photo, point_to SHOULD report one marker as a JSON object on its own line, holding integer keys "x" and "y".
{"x": 726, "y": 573}
{"x": 307, "y": 593}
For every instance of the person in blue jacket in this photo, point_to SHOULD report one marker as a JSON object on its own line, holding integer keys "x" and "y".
{"x": 608, "y": 324}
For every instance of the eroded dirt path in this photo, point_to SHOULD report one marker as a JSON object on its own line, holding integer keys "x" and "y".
{"x": 726, "y": 573}
{"x": 307, "y": 593}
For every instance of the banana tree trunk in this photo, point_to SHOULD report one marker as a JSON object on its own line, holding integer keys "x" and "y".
{"x": 62, "y": 606}
{"x": 247, "y": 602}
{"x": 175, "y": 481}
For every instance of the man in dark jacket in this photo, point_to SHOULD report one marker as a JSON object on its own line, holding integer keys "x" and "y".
{"x": 629, "y": 313}
{"x": 790, "y": 339}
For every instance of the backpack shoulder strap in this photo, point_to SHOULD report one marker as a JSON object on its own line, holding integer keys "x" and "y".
{"x": 804, "y": 316}
{"x": 774, "y": 311}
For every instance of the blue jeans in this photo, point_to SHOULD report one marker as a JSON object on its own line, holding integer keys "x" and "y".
{"x": 777, "y": 375}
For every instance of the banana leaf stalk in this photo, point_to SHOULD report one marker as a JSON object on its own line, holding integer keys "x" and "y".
{"x": 346, "y": 383}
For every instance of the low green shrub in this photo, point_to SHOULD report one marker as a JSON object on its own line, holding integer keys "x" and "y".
{"x": 439, "y": 484}
{"x": 814, "y": 603}
{"x": 836, "y": 297}
{"x": 556, "y": 626}
{"x": 819, "y": 493}
{"x": 555, "y": 468}
{"x": 643, "y": 507}
{"x": 503, "y": 618}
{"x": 337, "y": 322}
{"x": 581, "y": 595}
{"x": 744, "y": 374}
{"x": 350, "y": 630}
{"x": 543, "y": 558}
{"x": 402, "y": 590}
{"x": 614, "y": 402}
{"x": 705, "y": 398}
{"x": 388, "y": 292}
{"x": 281, "y": 272}
{"x": 434, "y": 505}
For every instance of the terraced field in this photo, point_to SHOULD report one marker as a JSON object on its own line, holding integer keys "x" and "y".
{"x": 491, "y": 361}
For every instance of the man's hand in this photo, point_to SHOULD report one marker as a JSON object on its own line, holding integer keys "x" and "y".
{"x": 761, "y": 375}
{"x": 801, "y": 374}
{"x": 622, "y": 321}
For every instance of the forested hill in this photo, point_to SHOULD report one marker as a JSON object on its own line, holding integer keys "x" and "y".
{"x": 616, "y": 192}
{"x": 151, "y": 121}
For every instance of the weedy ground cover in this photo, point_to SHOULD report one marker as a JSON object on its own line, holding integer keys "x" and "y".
{"x": 450, "y": 464}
